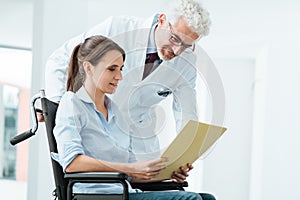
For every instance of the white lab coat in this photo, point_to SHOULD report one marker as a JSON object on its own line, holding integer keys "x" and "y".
{"x": 136, "y": 98}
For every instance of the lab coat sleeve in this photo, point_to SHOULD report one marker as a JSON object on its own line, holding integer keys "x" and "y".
{"x": 56, "y": 69}
{"x": 132, "y": 157}
{"x": 185, "y": 106}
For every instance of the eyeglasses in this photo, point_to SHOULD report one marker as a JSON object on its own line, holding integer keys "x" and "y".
{"x": 175, "y": 40}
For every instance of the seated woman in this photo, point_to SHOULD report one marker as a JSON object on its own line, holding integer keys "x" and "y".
{"x": 90, "y": 132}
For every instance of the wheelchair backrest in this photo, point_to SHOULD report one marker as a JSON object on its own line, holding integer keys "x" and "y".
{"x": 49, "y": 111}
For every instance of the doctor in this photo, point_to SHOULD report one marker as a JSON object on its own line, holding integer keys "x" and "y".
{"x": 160, "y": 64}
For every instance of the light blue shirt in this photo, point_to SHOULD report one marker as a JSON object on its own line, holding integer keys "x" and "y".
{"x": 82, "y": 129}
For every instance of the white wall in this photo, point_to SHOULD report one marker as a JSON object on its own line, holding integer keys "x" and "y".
{"x": 266, "y": 32}
{"x": 16, "y": 23}
{"x": 227, "y": 166}
{"x": 281, "y": 148}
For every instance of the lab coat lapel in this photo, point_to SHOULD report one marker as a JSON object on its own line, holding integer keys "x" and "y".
{"x": 138, "y": 52}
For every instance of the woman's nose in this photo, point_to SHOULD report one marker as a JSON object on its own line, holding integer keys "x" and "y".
{"x": 119, "y": 75}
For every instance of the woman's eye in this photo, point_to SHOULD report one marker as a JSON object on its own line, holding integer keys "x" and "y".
{"x": 111, "y": 69}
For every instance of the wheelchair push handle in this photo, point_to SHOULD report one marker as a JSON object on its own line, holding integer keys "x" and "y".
{"x": 27, "y": 134}
{"x": 21, "y": 137}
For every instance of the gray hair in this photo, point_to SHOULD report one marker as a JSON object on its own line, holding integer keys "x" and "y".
{"x": 192, "y": 12}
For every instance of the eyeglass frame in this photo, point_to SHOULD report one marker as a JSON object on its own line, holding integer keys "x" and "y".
{"x": 180, "y": 43}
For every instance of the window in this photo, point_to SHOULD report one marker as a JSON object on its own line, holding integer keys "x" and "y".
{"x": 15, "y": 77}
{"x": 10, "y": 105}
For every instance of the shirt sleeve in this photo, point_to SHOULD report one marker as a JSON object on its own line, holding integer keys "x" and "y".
{"x": 69, "y": 122}
{"x": 56, "y": 68}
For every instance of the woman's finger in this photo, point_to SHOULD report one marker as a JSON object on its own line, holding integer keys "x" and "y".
{"x": 158, "y": 161}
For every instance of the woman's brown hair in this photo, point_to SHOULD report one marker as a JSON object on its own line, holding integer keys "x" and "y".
{"x": 91, "y": 50}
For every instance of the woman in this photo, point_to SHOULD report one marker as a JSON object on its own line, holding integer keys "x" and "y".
{"x": 90, "y": 132}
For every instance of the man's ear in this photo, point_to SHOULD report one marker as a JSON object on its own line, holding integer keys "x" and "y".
{"x": 87, "y": 67}
{"x": 162, "y": 19}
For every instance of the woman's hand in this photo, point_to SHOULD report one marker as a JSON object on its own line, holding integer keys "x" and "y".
{"x": 181, "y": 175}
{"x": 145, "y": 171}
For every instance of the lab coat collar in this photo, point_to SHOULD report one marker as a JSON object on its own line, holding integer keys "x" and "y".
{"x": 146, "y": 30}
{"x": 151, "y": 47}
{"x": 151, "y": 21}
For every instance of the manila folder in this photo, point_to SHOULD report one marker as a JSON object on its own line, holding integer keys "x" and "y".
{"x": 192, "y": 142}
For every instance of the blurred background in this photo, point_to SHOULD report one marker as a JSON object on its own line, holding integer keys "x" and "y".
{"x": 255, "y": 47}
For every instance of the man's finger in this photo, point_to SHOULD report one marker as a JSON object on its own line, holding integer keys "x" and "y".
{"x": 190, "y": 166}
{"x": 184, "y": 171}
{"x": 181, "y": 175}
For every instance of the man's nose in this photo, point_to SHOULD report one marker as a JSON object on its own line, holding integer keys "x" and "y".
{"x": 177, "y": 49}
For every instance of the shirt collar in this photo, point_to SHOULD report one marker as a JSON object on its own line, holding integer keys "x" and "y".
{"x": 85, "y": 97}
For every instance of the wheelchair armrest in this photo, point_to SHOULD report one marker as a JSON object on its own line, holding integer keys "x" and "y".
{"x": 96, "y": 176}
{"x": 160, "y": 186}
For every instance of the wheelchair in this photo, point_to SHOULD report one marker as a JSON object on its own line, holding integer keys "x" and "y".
{"x": 64, "y": 181}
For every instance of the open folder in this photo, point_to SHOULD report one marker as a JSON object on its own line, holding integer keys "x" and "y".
{"x": 192, "y": 142}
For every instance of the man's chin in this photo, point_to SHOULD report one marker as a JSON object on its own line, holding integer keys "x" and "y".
{"x": 165, "y": 57}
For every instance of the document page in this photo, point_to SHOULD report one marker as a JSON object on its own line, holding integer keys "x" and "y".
{"x": 192, "y": 142}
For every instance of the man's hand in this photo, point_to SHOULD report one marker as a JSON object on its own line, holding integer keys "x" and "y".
{"x": 39, "y": 115}
{"x": 181, "y": 175}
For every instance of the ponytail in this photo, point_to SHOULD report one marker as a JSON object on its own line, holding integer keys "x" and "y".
{"x": 73, "y": 84}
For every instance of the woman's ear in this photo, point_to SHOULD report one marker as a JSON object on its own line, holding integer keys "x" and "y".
{"x": 87, "y": 67}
